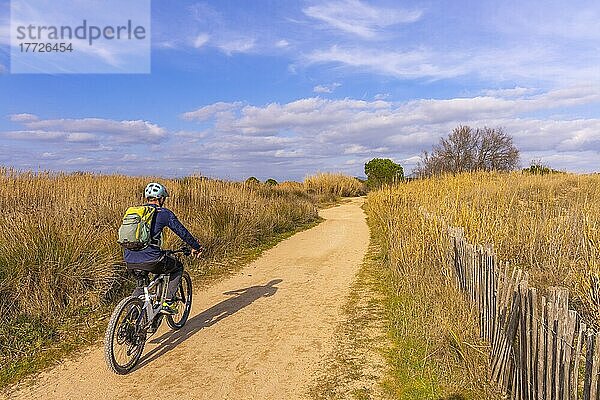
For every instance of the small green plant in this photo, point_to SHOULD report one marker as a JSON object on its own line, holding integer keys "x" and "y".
{"x": 252, "y": 181}
{"x": 537, "y": 167}
{"x": 271, "y": 182}
{"x": 382, "y": 171}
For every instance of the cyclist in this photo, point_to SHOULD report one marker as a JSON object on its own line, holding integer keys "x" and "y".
{"x": 152, "y": 258}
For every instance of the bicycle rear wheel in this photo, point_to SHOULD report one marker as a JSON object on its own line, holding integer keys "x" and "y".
{"x": 124, "y": 341}
{"x": 184, "y": 303}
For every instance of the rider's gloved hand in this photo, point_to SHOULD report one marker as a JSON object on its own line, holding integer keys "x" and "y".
{"x": 197, "y": 253}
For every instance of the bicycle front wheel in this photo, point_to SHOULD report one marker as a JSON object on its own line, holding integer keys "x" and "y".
{"x": 184, "y": 303}
{"x": 124, "y": 339}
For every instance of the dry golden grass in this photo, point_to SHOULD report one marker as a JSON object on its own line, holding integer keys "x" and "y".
{"x": 334, "y": 184}
{"x": 436, "y": 350}
{"x": 548, "y": 225}
{"x": 59, "y": 259}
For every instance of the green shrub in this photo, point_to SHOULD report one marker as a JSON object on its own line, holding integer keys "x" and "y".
{"x": 539, "y": 168}
{"x": 382, "y": 171}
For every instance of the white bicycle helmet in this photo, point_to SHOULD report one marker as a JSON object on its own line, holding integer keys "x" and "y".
{"x": 155, "y": 191}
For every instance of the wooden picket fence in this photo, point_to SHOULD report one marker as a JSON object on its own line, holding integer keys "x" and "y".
{"x": 540, "y": 349}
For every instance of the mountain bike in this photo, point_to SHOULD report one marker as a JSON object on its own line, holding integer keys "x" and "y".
{"x": 135, "y": 319}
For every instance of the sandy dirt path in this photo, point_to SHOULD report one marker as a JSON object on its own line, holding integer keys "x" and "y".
{"x": 260, "y": 334}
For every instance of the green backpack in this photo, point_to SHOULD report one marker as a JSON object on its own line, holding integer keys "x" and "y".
{"x": 135, "y": 230}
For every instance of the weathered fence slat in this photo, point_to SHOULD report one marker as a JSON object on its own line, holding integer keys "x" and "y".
{"x": 533, "y": 344}
{"x": 571, "y": 325}
{"x": 595, "y": 367}
{"x": 522, "y": 346}
{"x": 576, "y": 358}
{"x": 591, "y": 368}
{"x": 550, "y": 343}
{"x": 542, "y": 350}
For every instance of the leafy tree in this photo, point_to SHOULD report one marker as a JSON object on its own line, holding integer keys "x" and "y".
{"x": 271, "y": 182}
{"x": 382, "y": 171}
{"x": 252, "y": 181}
{"x": 468, "y": 149}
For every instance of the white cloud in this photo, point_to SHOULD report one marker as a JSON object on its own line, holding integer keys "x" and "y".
{"x": 210, "y": 111}
{"x": 401, "y": 64}
{"x": 201, "y": 40}
{"x": 412, "y": 160}
{"x": 23, "y": 117}
{"x": 49, "y": 155}
{"x": 165, "y": 44}
{"x": 361, "y": 149}
{"x": 85, "y": 129}
{"x": 310, "y": 113}
{"x": 360, "y": 116}
{"x": 282, "y": 43}
{"x": 358, "y": 18}
{"x": 52, "y": 136}
{"x": 241, "y": 45}
{"x": 326, "y": 88}
{"x": 492, "y": 64}
{"x": 191, "y": 135}
{"x": 517, "y": 91}
{"x": 81, "y": 161}
{"x": 130, "y": 157}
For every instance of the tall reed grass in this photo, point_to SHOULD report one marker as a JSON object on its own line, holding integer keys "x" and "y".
{"x": 548, "y": 225}
{"x": 435, "y": 345}
{"x": 334, "y": 184}
{"x": 59, "y": 258}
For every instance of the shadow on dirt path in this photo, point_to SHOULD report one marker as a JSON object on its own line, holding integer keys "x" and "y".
{"x": 242, "y": 298}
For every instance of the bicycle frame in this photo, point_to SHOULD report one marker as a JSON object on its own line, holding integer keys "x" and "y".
{"x": 151, "y": 299}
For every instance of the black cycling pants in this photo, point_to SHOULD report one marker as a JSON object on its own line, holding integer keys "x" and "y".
{"x": 166, "y": 265}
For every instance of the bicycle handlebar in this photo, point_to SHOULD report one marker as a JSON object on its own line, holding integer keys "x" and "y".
{"x": 185, "y": 250}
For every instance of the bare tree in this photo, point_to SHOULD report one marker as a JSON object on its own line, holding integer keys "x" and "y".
{"x": 497, "y": 152}
{"x": 467, "y": 149}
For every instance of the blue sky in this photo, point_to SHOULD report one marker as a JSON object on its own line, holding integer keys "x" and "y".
{"x": 284, "y": 89}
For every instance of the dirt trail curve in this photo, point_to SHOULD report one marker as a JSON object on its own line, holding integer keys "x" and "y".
{"x": 257, "y": 335}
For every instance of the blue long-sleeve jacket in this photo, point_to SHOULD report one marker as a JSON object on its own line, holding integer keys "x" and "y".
{"x": 163, "y": 218}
